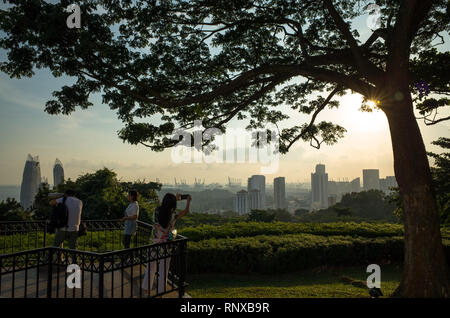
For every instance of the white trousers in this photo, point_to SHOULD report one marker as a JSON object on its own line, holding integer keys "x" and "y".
{"x": 162, "y": 272}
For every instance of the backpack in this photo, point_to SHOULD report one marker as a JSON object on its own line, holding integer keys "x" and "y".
{"x": 60, "y": 216}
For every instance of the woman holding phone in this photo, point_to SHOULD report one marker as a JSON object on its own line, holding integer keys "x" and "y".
{"x": 164, "y": 219}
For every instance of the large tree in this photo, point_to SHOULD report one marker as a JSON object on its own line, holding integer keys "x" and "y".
{"x": 178, "y": 61}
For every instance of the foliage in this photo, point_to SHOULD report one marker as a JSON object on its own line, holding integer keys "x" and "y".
{"x": 95, "y": 241}
{"x": 372, "y": 205}
{"x": 229, "y": 214}
{"x": 250, "y": 229}
{"x": 103, "y": 196}
{"x": 11, "y": 210}
{"x": 41, "y": 207}
{"x": 261, "y": 216}
{"x": 198, "y": 219}
{"x": 277, "y": 254}
{"x": 287, "y": 253}
{"x": 431, "y": 70}
{"x": 441, "y": 179}
{"x": 282, "y": 215}
{"x": 299, "y": 212}
{"x": 240, "y": 66}
{"x": 341, "y": 211}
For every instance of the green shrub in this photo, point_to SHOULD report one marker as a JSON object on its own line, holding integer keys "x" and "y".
{"x": 247, "y": 229}
{"x": 276, "y": 254}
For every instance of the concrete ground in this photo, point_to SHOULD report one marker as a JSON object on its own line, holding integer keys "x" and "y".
{"x": 124, "y": 283}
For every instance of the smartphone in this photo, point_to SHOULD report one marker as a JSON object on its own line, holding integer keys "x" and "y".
{"x": 184, "y": 196}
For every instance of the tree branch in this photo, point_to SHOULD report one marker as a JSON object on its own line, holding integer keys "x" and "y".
{"x": 314, "y": 116}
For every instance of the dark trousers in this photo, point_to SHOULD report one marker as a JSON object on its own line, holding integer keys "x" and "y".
{"x": 126, "y": 240}
{"x": 70, "y": 236}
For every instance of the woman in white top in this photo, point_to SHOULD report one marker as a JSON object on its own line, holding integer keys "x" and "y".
{"x": 130, "y": 218}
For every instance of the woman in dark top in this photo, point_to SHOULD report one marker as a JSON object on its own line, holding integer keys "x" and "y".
{"x": 164, "y": 219}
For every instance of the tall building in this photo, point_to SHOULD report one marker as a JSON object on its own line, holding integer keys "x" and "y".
{"x": 254, "y": 200}
{"x": 388, "y": 183}
{"x": 356, "y": 185}
{"x": 58, "y": 173}
{"x": 319, "y": 188}
{"x": 338, "y": 189}
{"x": 371, "y": 179}
{"x": 241, "y": 202}
{"x": 31, "y": 180}
{"x": 279, "y": 193}
{"x": 332, "y": 199}
{"x": 258, "y": 182}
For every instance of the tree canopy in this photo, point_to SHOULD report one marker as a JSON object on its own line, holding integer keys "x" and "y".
{"x": 11, "y": 210}
{"x": 441, "y": 179}
{"x": 173, "y": 62}
{"x": 104, "y": 196}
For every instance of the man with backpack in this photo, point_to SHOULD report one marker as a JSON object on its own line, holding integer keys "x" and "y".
{"x": 67, "y": 218}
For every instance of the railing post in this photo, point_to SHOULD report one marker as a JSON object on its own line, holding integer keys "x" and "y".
{"x": 49, "y": 272}
{"x": 100, "y": 277}
{"x": 182, "y": 269}
{"x": 45, "y": 234}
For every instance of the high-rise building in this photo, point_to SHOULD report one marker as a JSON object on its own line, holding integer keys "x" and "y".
{"x": 338, "y": 189}
{"x": 254, "y": 200}
{"x": 332, "y": 199}
{"x": 388, "y": 183}
{"x": 279, "y": 193}
{"x": 356, "y": 185}
{"x": 241, "y": 202}
{"x": 58, "y": 173}
{"x": 319, "y": 188}
{"x": 31, "y": 180}
{"x": 371, "y": 179}
{"x": 258, "y": 182}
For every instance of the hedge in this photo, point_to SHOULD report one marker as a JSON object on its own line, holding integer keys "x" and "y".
{"x": 273, "y": 254}
{"x": 247, "y": 229}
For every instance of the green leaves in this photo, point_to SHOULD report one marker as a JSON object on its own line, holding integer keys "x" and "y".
{"x": 269, "y": 254}
{"x": 11, "y": 210}
{"x": 180, "y": 61}
{"x": 250, "y": 229}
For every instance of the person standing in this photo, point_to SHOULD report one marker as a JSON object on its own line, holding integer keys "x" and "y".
{"x": 69, "y": 232}
{"x": 164, "y": 219}
{"x": 130, "y": 218}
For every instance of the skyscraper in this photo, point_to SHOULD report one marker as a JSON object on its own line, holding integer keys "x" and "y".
{"x": 356, "y": 185}
{"x": 371, "y": 179}
{"x": 241, "y": 202}
{"x": 388, "y": 183}
{"x": 58, "y": 173}
{"x": 279, "y": 193}
{"x": 258, "y": 182}
{"x": 31, "y": 180}
{"x": 254, "y": 200}
{"x": 319, "y": 188}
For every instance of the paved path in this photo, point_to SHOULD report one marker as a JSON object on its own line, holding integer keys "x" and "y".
{"x": 120, "y": 283}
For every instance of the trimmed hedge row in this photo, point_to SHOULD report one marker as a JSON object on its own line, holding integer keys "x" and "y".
{"x": 273, "y": 254}
{"x": 247, "y": 229}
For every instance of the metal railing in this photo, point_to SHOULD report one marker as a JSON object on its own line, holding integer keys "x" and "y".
{"x": 100, "y": 267}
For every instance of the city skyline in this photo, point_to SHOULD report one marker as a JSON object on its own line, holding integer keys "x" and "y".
{"x": 58, "y": 172}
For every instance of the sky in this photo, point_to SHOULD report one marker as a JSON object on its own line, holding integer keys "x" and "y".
{"x": 87, "y": 140}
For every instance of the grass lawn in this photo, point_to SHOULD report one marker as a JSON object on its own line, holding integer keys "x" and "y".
{"x": 337, "y": 282}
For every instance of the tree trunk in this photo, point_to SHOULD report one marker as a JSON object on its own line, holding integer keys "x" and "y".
{"x": 425, "y": 272}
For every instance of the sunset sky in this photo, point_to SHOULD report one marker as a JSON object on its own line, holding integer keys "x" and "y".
{"x": 87, "y": 140}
